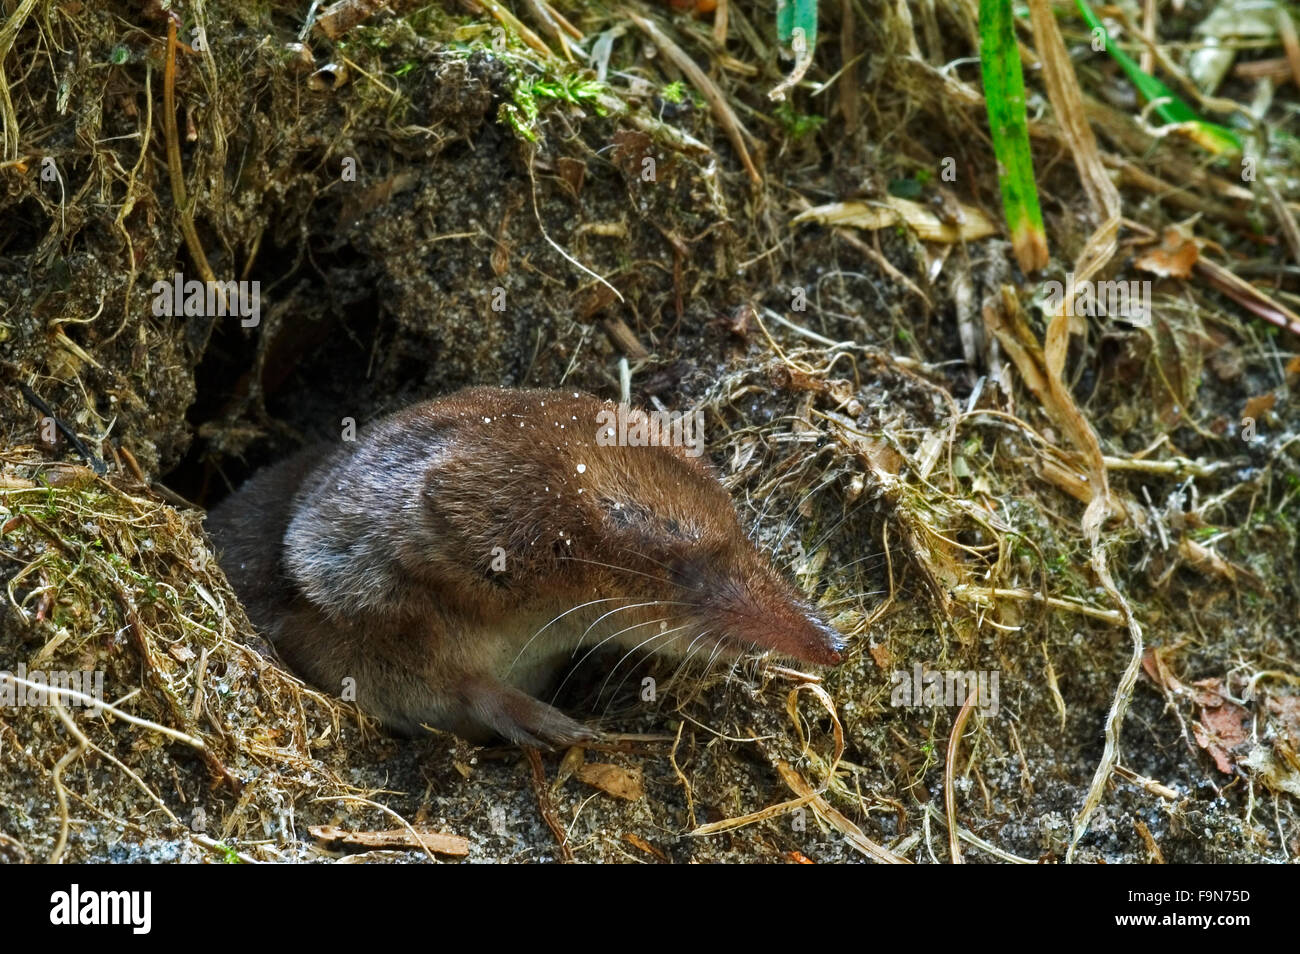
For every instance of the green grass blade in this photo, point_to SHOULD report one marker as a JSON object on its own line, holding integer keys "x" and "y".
{"x": 1004, "y": 95}
{"x": 1215, "y": 138}
{"x": 794, "y": 15}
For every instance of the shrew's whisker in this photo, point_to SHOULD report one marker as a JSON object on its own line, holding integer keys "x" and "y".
{"x": 608, "y": 599}
{"x": 615, "y": 566}
{"x": 620, "y": 609}
{"x": 631, "y": 669}
{"x": 585, "y": 656}
{"x": 601, "y": 691}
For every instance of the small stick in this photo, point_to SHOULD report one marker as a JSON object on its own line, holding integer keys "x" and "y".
{"x": 86, "y": 700}
{"x": 1290, "y": 43}
{"x": 386, "y": 810}
{"x": 545, "y": 805}
{"x": 95, "y": 463}
{"x": 708, "y": 89}
{"x": 949, "y": 786}
{"x": 177, "y": 174}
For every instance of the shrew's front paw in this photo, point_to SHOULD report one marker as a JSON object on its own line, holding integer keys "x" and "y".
{"x": 522, "y": 719}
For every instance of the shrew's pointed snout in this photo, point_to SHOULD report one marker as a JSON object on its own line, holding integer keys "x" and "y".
{"x": 826, "y": 646}
{"x": 754, "y": 608}
{"x": 770, "y": 617}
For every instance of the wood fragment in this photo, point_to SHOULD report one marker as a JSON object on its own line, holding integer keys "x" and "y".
{"x": 395, "y": 839}
{"x": 1148, "y": 839}
{"x": 625, "y": 338}
{"x": 338, "y": 18}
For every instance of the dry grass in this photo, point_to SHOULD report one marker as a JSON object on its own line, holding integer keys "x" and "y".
{"x": 962, "y": 479}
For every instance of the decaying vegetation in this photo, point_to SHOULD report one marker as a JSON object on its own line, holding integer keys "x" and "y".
{"x": 1102, "y": 508}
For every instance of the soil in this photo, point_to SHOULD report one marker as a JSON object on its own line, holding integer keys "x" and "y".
{"x": 427, "y": 202}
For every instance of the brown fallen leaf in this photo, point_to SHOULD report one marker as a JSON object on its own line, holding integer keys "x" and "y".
{"x": 572, "y": 172}
{"x": 180, "y": 652}
{"x": 636, "y": 841}
{"x": 398, "y": 839}
{"x": 1174, "y": 257}
{"x": 613, "y": 780}
{"x": 891, "y": 210}
{"x": 1223, "y": 726}
{"x": 1259, "y": 404}
{"x": 1157, "y": 667}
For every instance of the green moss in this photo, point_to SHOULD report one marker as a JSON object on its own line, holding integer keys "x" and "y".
{"x": 529, "y": 95}
{"x": 797, "y": 125}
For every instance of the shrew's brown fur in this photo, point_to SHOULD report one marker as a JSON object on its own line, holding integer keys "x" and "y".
{"x": 449, "y": 561}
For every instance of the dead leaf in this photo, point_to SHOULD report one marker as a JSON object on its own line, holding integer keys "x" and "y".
{"x": 180, "y": 652}
{"x": 572, "y": 172}
{"x": 1174, "y": 257}
{"x": 636, "y": 841}
{"x": 1223, "y": 726}
{"x": 892, "y": 210}
{"x": 1259, "y": 404}
{"x": 569, "y": 765}
{"x": 1157, "y": 667}
{"x": 613, "y": 780}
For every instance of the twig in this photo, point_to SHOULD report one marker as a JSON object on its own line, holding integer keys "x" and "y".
{"x": 825, "y": 810}
{"x": 1286, "y": 30}
{"x": 724, "y": 114}
{"x": 177, "y": 174}
{"x": 508, "y": 19}
{"x": 1284, "y": 216}
{"x": 986, "y": 595}
{"x": 386, "y": 810}
{"x": 972, "y": 839}
{"x": 949, "y": 771}
{"x": 545, "y": 805}
{"x": 95, "y": 463}
{"x": 681, "y": 776}
{"x": 57, "y": 775}
{"x": 117, "y": 713}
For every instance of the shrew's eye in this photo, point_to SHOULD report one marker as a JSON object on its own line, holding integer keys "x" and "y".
{"x": 625, "y": 515}
{"x": 644, "y": 521}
